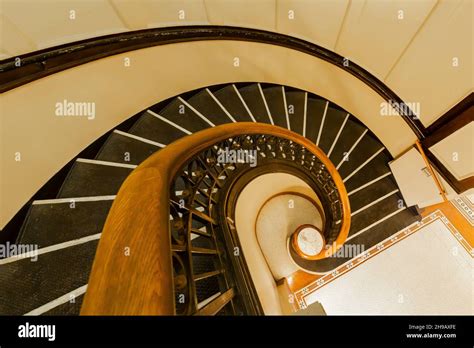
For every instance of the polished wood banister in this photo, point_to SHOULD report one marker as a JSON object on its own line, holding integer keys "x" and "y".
{"x": 132, "y": 272}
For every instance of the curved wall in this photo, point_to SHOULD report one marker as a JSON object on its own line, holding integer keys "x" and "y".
{"x": 46, "y": 142}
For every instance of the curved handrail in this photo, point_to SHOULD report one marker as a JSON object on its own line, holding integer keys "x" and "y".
{"x": 132, "y": 271}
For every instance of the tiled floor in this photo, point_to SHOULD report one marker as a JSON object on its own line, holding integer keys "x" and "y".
{"x": 426, "y": 272}
{"x": 304, "y": 285}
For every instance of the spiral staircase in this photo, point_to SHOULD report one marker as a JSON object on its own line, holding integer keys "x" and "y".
{"x": 67, "y": 225}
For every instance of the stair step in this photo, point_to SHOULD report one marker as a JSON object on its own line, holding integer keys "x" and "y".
{"x": 374, "y": 213}
{"x": 179, "y": 113}
{"x": 367, "y": 195}
{"x": 68, "y": 308}
{"x": 374, "y": 169}
{"x": 253, "y": 98}
{"x": 349, "y": 135}
{"x": 94, "y": 179}
{"x": 54, "y": 223}
{"x": 366, "y": 147}
{"x": 122, "y": 147}
{"x": 229, "y": 98}
{"x": 332, "y": 124}
{"x": 295, "y": 101}
{"x": 207, "y": 106}
{"x": 276, "y": 101}
{"x": 27, "y": 285}
{"x": 314, "y": 116}
{"x": 151, "y": 127}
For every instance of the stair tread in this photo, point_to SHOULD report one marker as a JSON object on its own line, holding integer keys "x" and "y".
{"x": 332, "y": 123}
{"x": 372, "y": 192}
{"x": 274, "y": 97}
{"x": 179, "y": 113}
{"x": 231, "y": 101}
{"x": 253, "y": 99}
{"x": 362, "y": 152}
{"x": 49, "y": 224}
{"x": 123, "y": 149}
{"x": 377, "y": 167}
{"x": 349, "y": 135}
{"x": 68, "y": 308}
{"x": 88, "y": 179}
{"x": 314, "y": 116}
{"x": 207, "y": 106}
{"x": 374, "y": 213}
{"x": 151, "y": 127}
{"x": 27, "y": 285}
{"x": 295, "y": 102}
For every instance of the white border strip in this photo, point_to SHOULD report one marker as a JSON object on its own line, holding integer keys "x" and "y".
{"x": 204, "y": 118}
{"x": 322, "y": 123}
{"x": 363, "y": 164}
{"x": 374, "y": 202}
{"x": 265, "y": 103}
{"x": 286, "y": 107}
{"x": 106, "y": 163}
{"x": 59, "y": 301}
{"x": 169, "y": 122}
{"x": 136, "y": 137}
{"x": 50, "y": 248}
{"x": 369, "y": 183}
{"x": 244, "y": 103}
{"x": 220, "y": 104}
{"x": 208, "y": 300}
{"x": 352, "y": 148}
{"x": 304, "y": 112}
{"x": 374, "y": 224}
{"x": 338, "y": 135}
{"x": 75, "y": 200}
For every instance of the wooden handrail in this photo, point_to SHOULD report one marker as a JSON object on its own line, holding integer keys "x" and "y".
{"x": 132, "y": 272}
{"x": 441, "y": 189}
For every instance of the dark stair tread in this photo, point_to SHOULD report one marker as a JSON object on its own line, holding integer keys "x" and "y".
{"x": 68, "y": 308}
{"x": 89, "y": 179}
{"x": 232, "y": 103}
{"x": 362, "y": 152}
{"x": 377, "y": 167}
{"x": 151, "y": 127}
{"x": 332, "y": 123}
{"x": 368, "y": 239}
{"x": 374, "y": 213}
{"x": 123, "y": 149}
{"x": 253, "y": 98}
{"x": 27, "y": 285}
{"x": 276, "y": 105}
{"x": 295, "y": 103}
{"x": 314, "y": 116}
{"x": 207, "y": 106}
{"x": 349, "y": 135}
{"x": 179, "y": 113}
{"x": 372, "y": 192}
{"x": 54, "y": 223}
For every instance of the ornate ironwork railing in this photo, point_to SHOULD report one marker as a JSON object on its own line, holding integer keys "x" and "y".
{"x": 197, "y": 266}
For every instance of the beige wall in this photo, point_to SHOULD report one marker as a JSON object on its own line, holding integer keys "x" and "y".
{"x": 456, "y": 152}
{"x": 249, "y": 202}
{"x": 408, "y": 44}
{"x": 47, "y": 142}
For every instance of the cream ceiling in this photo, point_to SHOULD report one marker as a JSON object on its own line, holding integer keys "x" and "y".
{"x": 411, "y": 45}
